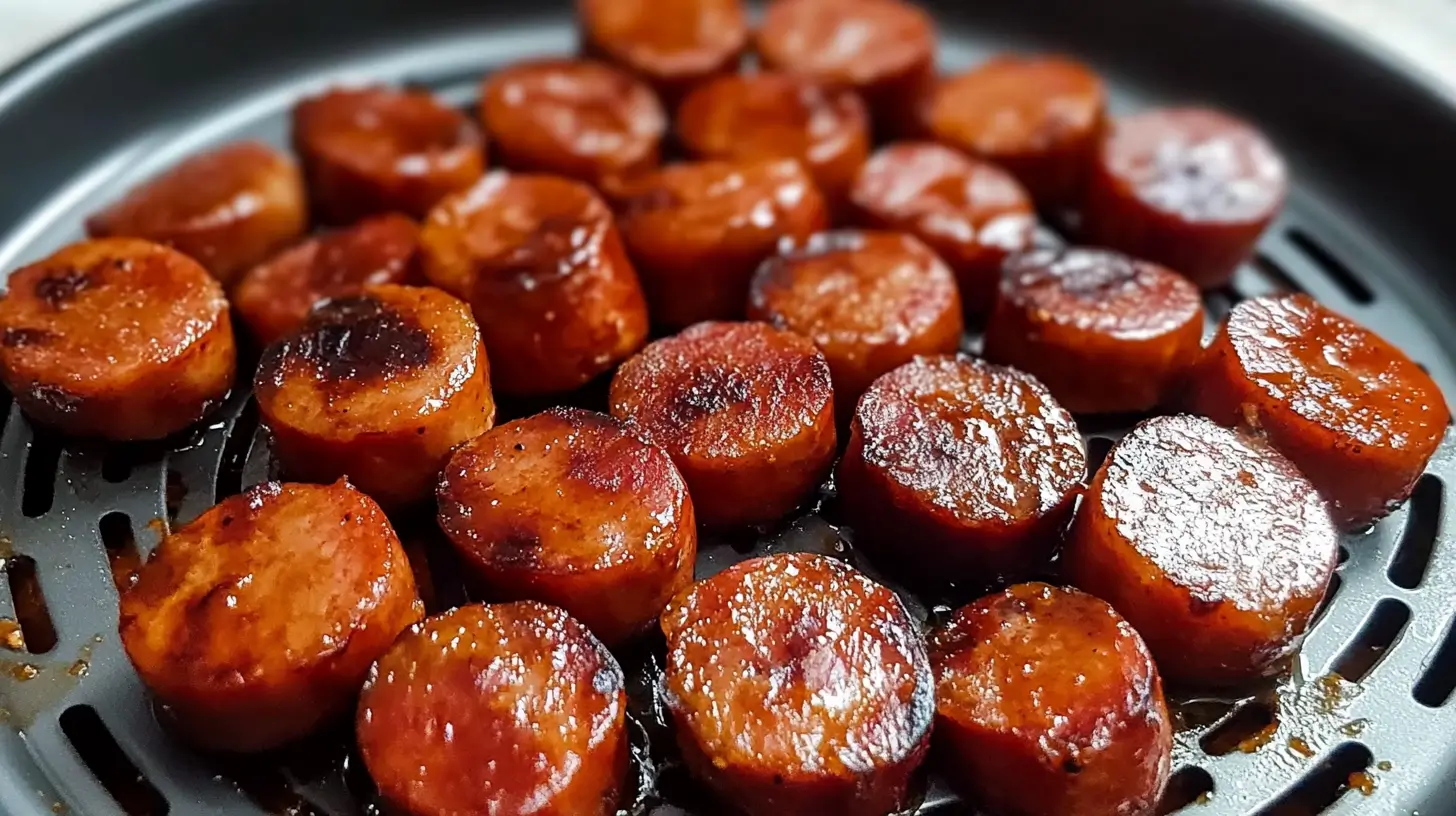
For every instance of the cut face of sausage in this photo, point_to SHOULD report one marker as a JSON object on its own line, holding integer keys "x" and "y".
{"x": 569, "y": 508}
{"x": 1048, "y": 703}
{"x": 274, "y": 298}
{"x": 960, "y": 471}
{"x": 798, "y": 686}
{"x": 1213, "y": 545}
{"x": 697, "y": 231}
{"x": 372, "y": 151}
{"x": 1353, "y": 412}
{"x": 1104, "y": 332}
{"x": 116, "y": 338}
{"x": 1188, "y": 188}
{"x": 585, "y": 120}
{"x": 378, "y": 387}
{"x": 503, "y": 709}
{"x": 972, "y": 213}
{"x": 871, "y": 301}
{"x": 229, "y": 209}
{"x": 672, "y": 44}
{"x": 256, "y": 623}
{"x": 745, "y": 410}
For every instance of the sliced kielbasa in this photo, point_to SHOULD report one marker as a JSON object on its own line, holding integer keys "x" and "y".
{"x": 672, "y": 44}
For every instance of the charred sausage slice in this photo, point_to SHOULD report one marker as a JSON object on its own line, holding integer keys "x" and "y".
{"x": 672, "y": 44}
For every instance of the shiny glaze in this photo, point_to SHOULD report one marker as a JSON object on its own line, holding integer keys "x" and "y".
{"x": 569, "y": 508}
{"x": 116, "y": 338}
{"x": 1189, "y": 527}
{"x": 1048, "y": 703}
{"x": 798, "y": 686}
{"x": 673, "y": 44}
{"x": 508, "y": 709}
{"x": 257, "y": 622}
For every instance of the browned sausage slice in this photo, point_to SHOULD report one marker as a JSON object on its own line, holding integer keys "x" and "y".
{"x": 379, "y": 387}
{"x": 256, "y": 623}
{"x": 569, "y": 508}
{"x": 230, "y": 208}
{"x": 510, "y": 709}
{"x": 672, "y": 44}
{"x": 1212, "y": 545}
{"x": 1048, "y": 703}
{"x": 798, "y": 686}
{"x": 116, "y": 338}
{"x": 745, "y": 410}
{"x": 1353, "y": 412}
{"x": 1106, "y": 333}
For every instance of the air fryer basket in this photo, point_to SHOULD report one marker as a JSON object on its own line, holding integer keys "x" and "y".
{"x": 1365, "y": 724}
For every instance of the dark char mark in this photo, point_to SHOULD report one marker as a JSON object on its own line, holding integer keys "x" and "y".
{"x": 353, "y": 339}
{"x": 62, "y": 286}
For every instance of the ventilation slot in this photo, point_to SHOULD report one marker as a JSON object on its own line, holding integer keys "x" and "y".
{"x": 40, "y": 473}
{"x": 1272, "y": 278}
{"x": 1327, "y": 600}
{"x": 116, "y": 465}
{"x": 31, "y": 611}
{"x": 1375, "y": 638}
{"x": 1247, "y": 729}
{"x": 176, "y": 495}
{"x": 1343, "y": 556}
{"x": 1187, "y": 786}
{"x": 1335, "y": 269}
{"x": 1097, "y": 449}
{"x": 235, "y": 452}
{"x": 1439, "y": 679}
{"x": 121, "y": 549}
{"x": 116, "y": 772}
{"x": 5, "y": 402}
{"x": 1217, "y": 303}
{"x": 1418, "y": 542}
{"x": 1344, "y": 768}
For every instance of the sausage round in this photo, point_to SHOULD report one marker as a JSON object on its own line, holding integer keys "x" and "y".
{"x": 1041, "y": 117}
{"x": 576, "y": 118}
{"x": 972, "y": 213}
{"x": 230, "y": 208}
{"x": 370, "y": 151}
{"x": 116, "y": 338}
{"x": 672, "y": 44}
{"x": 959, "y": 471}
{"x": 798, "y": 685}
{"x": 746, "y": 412}
{"x": 696, "y": 232}
{"x": 1353, "y": 412}
{"x": 255, "y": 624}
{"x": 1048, "y": 703}
{"x": 543, "y": 266}
{"x": 1104, "y": 332}
{"x": 508, "y": 709}
{"x": 569, "y": 508}
{"x": 379, "y": 387}
{"x": 1188, "y": 188}
{"x": 871, "y": 301}
{"x": 275, "y": 297}
{"x": 1212, "y": 545}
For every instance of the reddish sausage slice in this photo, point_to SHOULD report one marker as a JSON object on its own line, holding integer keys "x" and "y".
{"x": 960, "y": 471}
{"x": 798, "y": 686}
{"x": 973, "y": 214}
{"x": 1353, "y": 412}
{"x": 697, "y": 231}
{"x": 274, "y": 298}
{"x": 1210, "y": 543}
{"x": 116, "y": 338}
{"x": 871, "y": 301}
{"x": 378, "y": 387}
{"x": 746, "y": 411}
{"x": 1187, "y": 188}
{"x": 510, "y": 709}
{"x": 1104, "y": 332}
{"x": 569, "y": 508}
{"x": 229, "y": 208}
{"x": 378, "y": 150}
{"x": 256, "y": 623}
{"x": 672, "y": 44}
{"x": 586, "y": 120}
{"x": 1048, "y": 703}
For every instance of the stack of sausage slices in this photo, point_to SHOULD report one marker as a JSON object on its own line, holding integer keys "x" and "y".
{"x": 808, "y": 262}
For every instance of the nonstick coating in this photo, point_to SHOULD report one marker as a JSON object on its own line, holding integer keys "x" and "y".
{"x": 1368, "y": 230}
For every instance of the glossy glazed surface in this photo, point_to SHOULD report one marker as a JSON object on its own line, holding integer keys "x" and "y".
{"x": 673, "y": 44}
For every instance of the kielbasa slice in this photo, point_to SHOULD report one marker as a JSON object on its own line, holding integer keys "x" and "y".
{"x": 798, "y": 685}
{"x": 503, "y": 709}
{"x": 229, "y": 208}
{"x": 255, "y": 624}
{"x": 1212, "y": 545}
{"x": 1106, "y": 333}
{"x": 959, "y": 471}
{"x": 1351, "y": 410}
{"x": 1188, "y": 188}
{"x": 672, "y": 44}
{"x": 116, "y": 338}
{"x": 379, "y": 387}
{"x": 371, "y": 151}
{"x": 972, "y": 213}
{"x": 569, "y": 508}
{"x": 746, "y": 412}
{"x": 1048, "y": 703}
